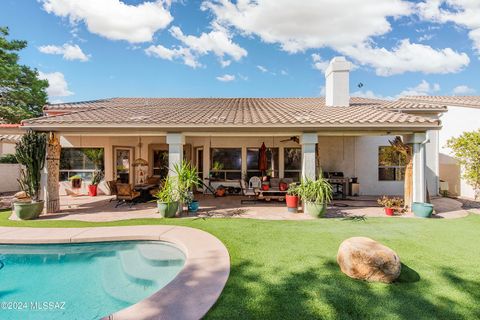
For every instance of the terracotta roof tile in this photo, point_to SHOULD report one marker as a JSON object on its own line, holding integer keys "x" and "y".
{"x": 224, "y": 112}
{"x": 461, "y": 101}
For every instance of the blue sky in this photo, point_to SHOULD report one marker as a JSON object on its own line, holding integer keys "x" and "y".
{"x": 267, "y": 48}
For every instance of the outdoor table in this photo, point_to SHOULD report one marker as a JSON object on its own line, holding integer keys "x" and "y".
{"x": 144, "y": 191}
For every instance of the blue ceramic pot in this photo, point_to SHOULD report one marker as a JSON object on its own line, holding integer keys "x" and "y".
{"x": 193, "y": 206}
{"x": 422, "y": 210}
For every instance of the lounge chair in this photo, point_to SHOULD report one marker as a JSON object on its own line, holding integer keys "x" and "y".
{"x": 126, "y": 194}
{"x": 112, "y": 188}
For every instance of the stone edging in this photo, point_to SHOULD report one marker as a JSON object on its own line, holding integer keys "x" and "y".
{"x": 189, "y": 296}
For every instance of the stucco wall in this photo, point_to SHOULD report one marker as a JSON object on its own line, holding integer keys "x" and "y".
{"x": 456, "y": 121}
{"x": 354, "y": 156}
{"x": 7, "y": 148}
{"x": 9, "y": 173}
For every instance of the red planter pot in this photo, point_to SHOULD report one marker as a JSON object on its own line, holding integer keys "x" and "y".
{"x": 389, "y": 211}
{"x": 292, "y": 202}
{"x": 265, "y": 187}
{"x": 92, "y": 190}
{"x": 283, "y": 186}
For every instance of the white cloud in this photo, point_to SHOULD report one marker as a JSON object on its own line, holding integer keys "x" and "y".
{"x": 319, "y": 63}
{"x": 243, "y": 77}
{"x": 217, "y": 41}
{"x": 311, "y": 24}
{"x": 182, "y": 53}
{"x": 422, "y": 89}
{"x": 114, "y": 19}
{"x": 68, "y": 51}
{"x": 463, "y": 90}
{"x": 262, "y": 68}
{"x": 465, "y": 13}
{"x": 408, "y": 57}
{"x": 308, "y": 23}
{"x": 283, "y": 72}
{"x": 226, "y": 78}
{"x": 57, "y": 85}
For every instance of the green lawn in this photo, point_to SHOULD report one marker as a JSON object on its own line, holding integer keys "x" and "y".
{"x": 287, "y": 269}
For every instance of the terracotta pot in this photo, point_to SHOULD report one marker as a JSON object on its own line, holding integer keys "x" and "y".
{"x": 265, "y": 187}
{"x": 389, "y": 211}
{"x": 283, "y": 186}
{"x": 220, "y": 192}
{"x": 92, "y": 190}
{"x": 292, "y": 202}
{"x": 76, "y": 183}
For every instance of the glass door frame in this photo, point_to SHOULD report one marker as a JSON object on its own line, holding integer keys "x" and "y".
{"x": 197, "y": 161}
{"x": 131, "y": 158}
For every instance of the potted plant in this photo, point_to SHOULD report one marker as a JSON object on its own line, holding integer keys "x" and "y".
{"x": 283, "y": 186}
{"x": 96, "y": 179}
{"x": 186, "y": 179}
{"x": 30, "y": 152}
{"x": 167, "y": 198}
{"x": 292, "y": 198}
{"x": 76, "y": 181}
{"x": 390, "y": 204}
{"x": 422, "y": 209}
{"x": 216, "y": 168}
{"x": 316, "y": 194}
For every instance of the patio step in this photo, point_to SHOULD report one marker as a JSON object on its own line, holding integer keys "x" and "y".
{"x": 118, "y": 286}
{"x": 139, "y": 271}
{"x": 155, "y": 255}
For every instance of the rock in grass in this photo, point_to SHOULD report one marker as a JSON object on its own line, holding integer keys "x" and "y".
{"x": 366, "y": 259}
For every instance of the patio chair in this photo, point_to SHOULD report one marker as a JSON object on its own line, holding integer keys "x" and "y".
{"x": 125, "y": 193}
{"x": 112, "y": 188}
{"x": 251, "y": 191}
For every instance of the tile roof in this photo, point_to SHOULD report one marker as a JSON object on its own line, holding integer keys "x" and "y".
{"x": 10, "y": 138}
{"x": 460, "y": 101}
{"x": 230, "y": 112}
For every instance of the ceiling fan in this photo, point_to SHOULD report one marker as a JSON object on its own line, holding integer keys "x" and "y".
{"x": 294, "y": 139}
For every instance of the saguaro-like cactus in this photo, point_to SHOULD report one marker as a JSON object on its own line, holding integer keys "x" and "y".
{"x": 30, "y": 152}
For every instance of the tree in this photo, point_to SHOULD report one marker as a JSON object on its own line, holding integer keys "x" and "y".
{"x": 22, "y": 93}
{"x": 406, "y": 151}
{"x": 466, "y": 149}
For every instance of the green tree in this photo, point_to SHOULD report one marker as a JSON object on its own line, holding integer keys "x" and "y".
{"x": 22, "y": 93}
{"x": 466, "y": 149}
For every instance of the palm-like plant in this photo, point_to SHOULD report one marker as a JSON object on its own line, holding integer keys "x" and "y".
{"x": 186, "y": 176}
{"x": 315, "y": 191}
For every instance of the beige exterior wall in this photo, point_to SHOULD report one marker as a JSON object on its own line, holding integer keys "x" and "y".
{"x": 9, "y": 175}
{"x": 354, "y": 156}
{"x": 7, "y": 148}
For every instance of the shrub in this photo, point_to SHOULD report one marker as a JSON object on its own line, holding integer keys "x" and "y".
{"x": 8, "y": 158}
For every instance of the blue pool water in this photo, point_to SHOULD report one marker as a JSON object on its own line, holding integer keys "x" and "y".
{"x": 82, "y": 281}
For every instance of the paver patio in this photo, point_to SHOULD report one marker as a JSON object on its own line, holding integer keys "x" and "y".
{"x": 100, "y": 208}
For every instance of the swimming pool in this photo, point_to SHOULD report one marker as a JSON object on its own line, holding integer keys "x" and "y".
{"x": 82, "y": 281}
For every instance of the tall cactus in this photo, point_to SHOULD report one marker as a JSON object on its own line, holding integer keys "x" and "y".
{"x": 30, "y": 152}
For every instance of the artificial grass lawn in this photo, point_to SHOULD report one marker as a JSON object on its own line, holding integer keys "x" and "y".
{"x": 287, "y": 269}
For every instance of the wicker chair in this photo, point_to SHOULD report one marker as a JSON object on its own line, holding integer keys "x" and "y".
{"x": 112, "y": 188}
{"x": 125, "y": 193}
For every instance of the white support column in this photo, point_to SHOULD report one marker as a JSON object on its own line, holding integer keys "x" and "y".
{"x": 175, "y": 143}
{"x": 419, "y": 168}
{"x": 308, "y": 140}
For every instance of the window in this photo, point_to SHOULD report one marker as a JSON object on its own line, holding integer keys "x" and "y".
{"x": 293, "y": 163}
{"x": 80, "y": 161}
{"x": 160, "y": 163}
{"x": 226, "y": 163}
{"x": 252, "y": 162}
{"x": 391, "y": 164}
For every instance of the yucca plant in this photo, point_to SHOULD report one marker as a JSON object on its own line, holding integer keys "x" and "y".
{"x": 315, "y": 191}
{"x": 30, "y": 152}
{"x": 186, "y": 177}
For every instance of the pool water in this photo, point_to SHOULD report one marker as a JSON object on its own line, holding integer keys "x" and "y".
{"x": 82, "y": 281}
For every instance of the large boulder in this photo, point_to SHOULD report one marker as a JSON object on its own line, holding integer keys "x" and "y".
{"x": 366, "y": 259}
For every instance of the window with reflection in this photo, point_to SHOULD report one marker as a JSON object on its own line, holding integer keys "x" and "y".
{"x": 252, "y": 163}
{"x": 226, "y": 163}
{"x": 80, "y": 161}
{"x": 391, "y": 164}
{"x": 292, "y": 163}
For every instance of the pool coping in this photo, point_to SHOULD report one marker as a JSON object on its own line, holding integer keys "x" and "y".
{"x": 188, "y": 296}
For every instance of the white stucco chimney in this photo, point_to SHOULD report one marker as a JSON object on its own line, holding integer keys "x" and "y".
{"x": 337, "y": 87}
